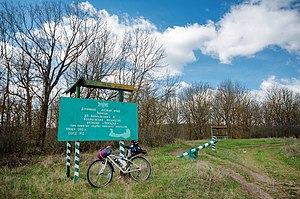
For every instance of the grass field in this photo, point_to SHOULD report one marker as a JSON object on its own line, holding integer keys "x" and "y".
{"x": 242, "y": 168}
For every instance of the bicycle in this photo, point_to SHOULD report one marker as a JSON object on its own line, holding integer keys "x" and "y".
{"x": 100, "y": 172}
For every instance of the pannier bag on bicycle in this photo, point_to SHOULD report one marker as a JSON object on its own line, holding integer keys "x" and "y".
{"x": 134, "y": 149}
{"x": 103, "y": 153}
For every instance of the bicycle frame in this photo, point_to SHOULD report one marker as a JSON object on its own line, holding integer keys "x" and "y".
{"x": 127, "y": 170}
{"x": 100, "y": 172}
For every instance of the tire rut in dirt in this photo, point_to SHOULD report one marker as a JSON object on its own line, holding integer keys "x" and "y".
{"x": 262, "y": 186}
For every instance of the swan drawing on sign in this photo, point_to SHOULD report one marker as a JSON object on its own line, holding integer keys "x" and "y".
{"x": 125, "y": 135}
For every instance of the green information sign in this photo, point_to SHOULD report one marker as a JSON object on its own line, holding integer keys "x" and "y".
{"x": 87, "y": 120}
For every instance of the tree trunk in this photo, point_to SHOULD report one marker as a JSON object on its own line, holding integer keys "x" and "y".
{"x": 43, "y": 118}
{"x": 29, "y": 115}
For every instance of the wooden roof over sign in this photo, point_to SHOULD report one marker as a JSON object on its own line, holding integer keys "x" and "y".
{"x": 101, "y": 85}
{"x": 219, "y": 127}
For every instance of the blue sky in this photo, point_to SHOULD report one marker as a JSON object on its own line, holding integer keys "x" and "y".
{"x": 167, "y": 13}
{"x": 271, "y": 62}
{"x": 254, "y": 42}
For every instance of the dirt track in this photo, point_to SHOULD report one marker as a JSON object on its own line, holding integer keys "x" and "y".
{"x": 255, "y": 184}
{"x": 256, "y": 188}
{"x": 259, "y": 185}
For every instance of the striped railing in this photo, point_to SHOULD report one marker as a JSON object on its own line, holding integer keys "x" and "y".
{"x": 193, "y": 152}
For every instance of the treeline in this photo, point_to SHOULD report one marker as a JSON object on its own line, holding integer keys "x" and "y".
{"x": 46, "y": 47}
{"x": 190, "y": 114}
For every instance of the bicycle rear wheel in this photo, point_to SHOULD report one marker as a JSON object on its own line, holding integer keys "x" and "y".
{"x": 140, "y": 170}
{"x": 99, "y": 173}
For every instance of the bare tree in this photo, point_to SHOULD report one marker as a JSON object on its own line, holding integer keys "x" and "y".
{"x": 140, "y": 56}
{"x": 248, "y": 115}
{"x": 174, "y": 117}
{"x": 282, "y": 109}
{"x": 6, "y": 55}
{"x": 196, "y": 104}
{"x": 227, "y": 102}
{"x": 154, "y": 111}
{"x": 23, "y": 76}
{"x": 53, "y": 36}
{"x": 98, "y": 62}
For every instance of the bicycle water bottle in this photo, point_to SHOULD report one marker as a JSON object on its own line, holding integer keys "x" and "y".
{"x": 123, "y": 163}
{"x": 129, "y": 153}
{"x": 118, "y": 162}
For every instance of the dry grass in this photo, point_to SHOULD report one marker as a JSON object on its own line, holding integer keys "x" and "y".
{"x": 292, "y": 149}
{"x": 171, "y": 177}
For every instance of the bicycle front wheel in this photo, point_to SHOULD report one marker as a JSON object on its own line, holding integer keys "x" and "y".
{"x": 140, "y": 169}
{"x": 100, "y": 173}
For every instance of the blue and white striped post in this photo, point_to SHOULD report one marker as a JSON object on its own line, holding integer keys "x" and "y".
{"x": 68, "y": 159}
{"x": 77, "y": 158}
{"x": 198, "y": 148}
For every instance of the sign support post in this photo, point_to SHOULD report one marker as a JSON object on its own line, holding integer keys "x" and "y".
{"x": 77, "y": 147}
{"x": 68, "y": 159}
{"x": 121, "y": 142}
{"x": 76, "y": 161}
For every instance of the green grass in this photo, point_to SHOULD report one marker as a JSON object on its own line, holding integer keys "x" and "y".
{"x": 171, "y": 177}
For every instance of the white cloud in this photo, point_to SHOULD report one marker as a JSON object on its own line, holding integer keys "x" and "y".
{"x": 121, "y": 25}
{"x": 272, "y": 82}
{"x": 180, "y": 42}
{"x": 181, "y": 86}
{"x": 253, "y": 26}
{"x": 269, "y": 83}
{"x": 247, "y": 29}
{"x": 292, "y": 84}
{"x": 87, "y": 7}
